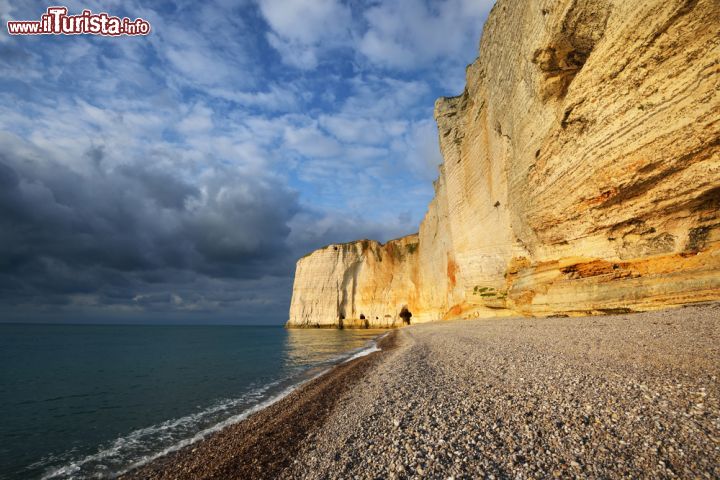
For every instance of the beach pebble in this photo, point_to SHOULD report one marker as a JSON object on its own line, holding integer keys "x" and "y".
{"x": 625, "y": 396}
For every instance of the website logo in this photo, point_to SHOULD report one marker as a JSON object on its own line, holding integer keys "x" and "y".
{"x": 56, "y": 21}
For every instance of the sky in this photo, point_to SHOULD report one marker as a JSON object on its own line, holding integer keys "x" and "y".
{"x": 178, "y": 177}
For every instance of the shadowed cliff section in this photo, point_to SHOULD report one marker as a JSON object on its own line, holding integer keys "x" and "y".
{"x": 581, "y": 175}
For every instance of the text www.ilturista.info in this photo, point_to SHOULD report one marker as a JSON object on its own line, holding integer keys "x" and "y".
{"x": 56, "y": 21}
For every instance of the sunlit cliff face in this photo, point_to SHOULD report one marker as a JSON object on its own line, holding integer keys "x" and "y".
{"x": 578, "y": 177}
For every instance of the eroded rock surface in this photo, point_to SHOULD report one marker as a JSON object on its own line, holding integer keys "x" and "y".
{"x": 581, "y": 175}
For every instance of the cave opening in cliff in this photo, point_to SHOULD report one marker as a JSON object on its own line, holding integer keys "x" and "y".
{"x": 405, "y": 314}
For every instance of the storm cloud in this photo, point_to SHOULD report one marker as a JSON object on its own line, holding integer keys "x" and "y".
{"x": 112, "y": 232}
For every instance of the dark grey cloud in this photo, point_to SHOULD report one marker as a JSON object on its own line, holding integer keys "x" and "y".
{"x": 136, "y": 235}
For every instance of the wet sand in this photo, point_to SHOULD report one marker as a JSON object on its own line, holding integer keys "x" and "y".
{"x": 594, "y": 397}
{"x": 264, "y": 445}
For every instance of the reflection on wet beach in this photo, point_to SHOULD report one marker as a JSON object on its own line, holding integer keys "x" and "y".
{"x": 313, "y": 346}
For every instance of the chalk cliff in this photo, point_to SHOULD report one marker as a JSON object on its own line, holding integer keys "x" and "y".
{"x": 354, "y": 284}
{"x": 581, "y": 175}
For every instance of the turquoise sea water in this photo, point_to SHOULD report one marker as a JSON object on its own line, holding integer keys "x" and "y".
{"x": 84, "y": 401}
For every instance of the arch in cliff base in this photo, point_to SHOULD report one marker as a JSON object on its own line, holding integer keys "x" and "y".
{"x": 405, "y": 314}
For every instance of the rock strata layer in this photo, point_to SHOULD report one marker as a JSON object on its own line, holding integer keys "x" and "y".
{"x": 581, "y": 175}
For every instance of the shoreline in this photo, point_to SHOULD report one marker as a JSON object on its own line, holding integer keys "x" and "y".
{"x": 615, "y": 396}
{"x": 264, "y": 444}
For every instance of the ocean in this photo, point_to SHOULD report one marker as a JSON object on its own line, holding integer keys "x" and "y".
{"x": 91, "y": 401}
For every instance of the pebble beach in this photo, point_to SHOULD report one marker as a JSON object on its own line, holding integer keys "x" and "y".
{"x": 622, "y": 396}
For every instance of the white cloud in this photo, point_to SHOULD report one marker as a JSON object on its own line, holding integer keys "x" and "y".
{"x": 311, "y": 228}
{"x": 198, "y": 119}
{"x": 296, "y": 54}
{"x": 357, "y": 129}
{"x": 305, "y": 21}
{"x": 301, "y": 28}
{"x": 420, "y": 149}
{"x": 409, "y": 34}
{"x": 213, "y": 53}
{"x": 276, "y": 98}
{"x": 5, "y": 14}
{"x": 387, "y": 97}
{"x": 393, "y": 34}
{"x": 311, "y": 142}
{"x": 5, "y": 10}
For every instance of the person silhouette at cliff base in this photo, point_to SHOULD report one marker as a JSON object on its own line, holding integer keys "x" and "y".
{"x": 405, "y": 314}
